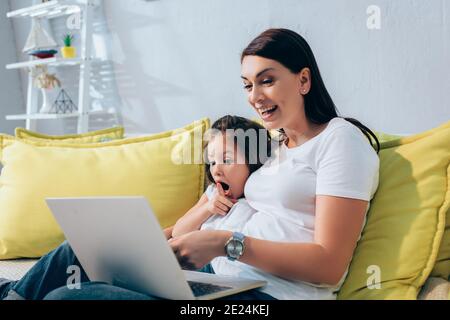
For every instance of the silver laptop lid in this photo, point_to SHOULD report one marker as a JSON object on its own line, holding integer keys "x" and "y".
{"x": 118, "y": 240}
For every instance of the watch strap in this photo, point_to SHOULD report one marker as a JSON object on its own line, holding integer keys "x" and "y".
{"x": 238, "y": 236}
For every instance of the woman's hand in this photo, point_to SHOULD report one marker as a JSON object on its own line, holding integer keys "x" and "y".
{"x": 219, "y": 202}
{"x": 196, "y": 249}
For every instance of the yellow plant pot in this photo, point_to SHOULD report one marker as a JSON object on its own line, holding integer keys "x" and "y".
{"x": 69, "y": 52}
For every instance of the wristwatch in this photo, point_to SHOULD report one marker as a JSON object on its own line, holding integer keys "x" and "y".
{"x": 234, "y": 248}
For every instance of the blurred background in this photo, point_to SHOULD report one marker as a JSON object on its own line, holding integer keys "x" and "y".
{"x": 164, "y": 63}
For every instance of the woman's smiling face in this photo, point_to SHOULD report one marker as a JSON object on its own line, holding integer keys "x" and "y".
{"x": 273, "y": 91}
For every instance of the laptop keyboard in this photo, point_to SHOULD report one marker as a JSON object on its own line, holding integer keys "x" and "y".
{"x": 201, "y": 288}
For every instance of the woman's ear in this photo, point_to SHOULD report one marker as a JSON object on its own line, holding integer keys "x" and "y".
{"x": 305, "y": 81}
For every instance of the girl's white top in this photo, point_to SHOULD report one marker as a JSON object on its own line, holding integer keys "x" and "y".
{"x": 234, "y": 220}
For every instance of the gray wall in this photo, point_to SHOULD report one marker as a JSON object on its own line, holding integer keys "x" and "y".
{"x": 175, "y": 61}
{"x": 11, "y": 99}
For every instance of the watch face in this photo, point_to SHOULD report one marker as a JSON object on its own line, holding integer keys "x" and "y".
{"x": 235, "y": 248}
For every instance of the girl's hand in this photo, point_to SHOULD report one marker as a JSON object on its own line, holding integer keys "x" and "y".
{"x": 168, "y": 232}
{"x": 196, "y": 249}
{"x": 219, "y": 202}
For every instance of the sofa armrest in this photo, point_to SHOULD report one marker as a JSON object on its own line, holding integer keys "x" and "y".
{"x": 15, "y": 269}
{"x": 435, "y": 289}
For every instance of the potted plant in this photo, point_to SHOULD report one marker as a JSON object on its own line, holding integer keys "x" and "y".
{"x": 68, "y": 51}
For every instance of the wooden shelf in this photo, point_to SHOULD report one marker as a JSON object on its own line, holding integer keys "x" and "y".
{"x": 51, "y": 9}
{"x": 53, "y": 62}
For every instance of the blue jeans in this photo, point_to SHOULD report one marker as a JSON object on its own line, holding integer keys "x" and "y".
{"x": 48, "y": 280}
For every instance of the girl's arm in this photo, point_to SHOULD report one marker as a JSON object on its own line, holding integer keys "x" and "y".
{"x": 168, "y": 232}
{"x": 193, "y": 219}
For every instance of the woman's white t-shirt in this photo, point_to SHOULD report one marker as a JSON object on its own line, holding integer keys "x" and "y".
{"x": 338, "y": 162}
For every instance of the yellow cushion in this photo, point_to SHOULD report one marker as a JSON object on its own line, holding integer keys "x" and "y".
{"x": 406, "y": 221}
{"x": 384, "y": 137}
{"x": 90, "y": 137}
{"x": 442, "y": 266}
{"x": 145, "y": 166}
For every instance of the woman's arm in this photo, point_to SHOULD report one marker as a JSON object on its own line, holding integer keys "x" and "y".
{"x": 193, "y": 219}
{"x": 338, "y": 225}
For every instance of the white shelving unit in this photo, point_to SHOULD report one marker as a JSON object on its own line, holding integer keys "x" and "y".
{"x": 51, "y": 62}
{"x": 50, "y": 116}
{"x": 50, "y": 10}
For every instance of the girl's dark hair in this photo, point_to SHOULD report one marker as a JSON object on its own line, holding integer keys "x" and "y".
{"x": 252, "y": 149}
{"x": 292, "y": 51}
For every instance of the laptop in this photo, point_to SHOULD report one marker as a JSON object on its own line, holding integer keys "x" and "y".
{"x": 119, "y": 241}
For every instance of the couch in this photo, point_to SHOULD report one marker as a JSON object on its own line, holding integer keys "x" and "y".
{"x": 434, "y": 289}
{"x": 436, "y": 286}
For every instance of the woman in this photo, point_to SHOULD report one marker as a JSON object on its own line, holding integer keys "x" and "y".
{"x": 311, "y": 198}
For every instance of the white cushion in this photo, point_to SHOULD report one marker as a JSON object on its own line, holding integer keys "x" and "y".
{"x": 15, "y": 269}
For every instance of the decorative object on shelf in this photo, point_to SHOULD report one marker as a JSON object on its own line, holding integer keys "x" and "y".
{"x": 68, "y": 51}
{"x": 43, "y": 54}
{"x": 63, "y": 104}
{"x": 39, "y": 39}
{"x": 47, "y": 83}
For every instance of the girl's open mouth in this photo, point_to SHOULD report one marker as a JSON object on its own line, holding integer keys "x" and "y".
{"x": 225, "y": 186}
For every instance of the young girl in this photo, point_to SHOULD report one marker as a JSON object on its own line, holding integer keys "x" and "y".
{"x": 230, "y": 161}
